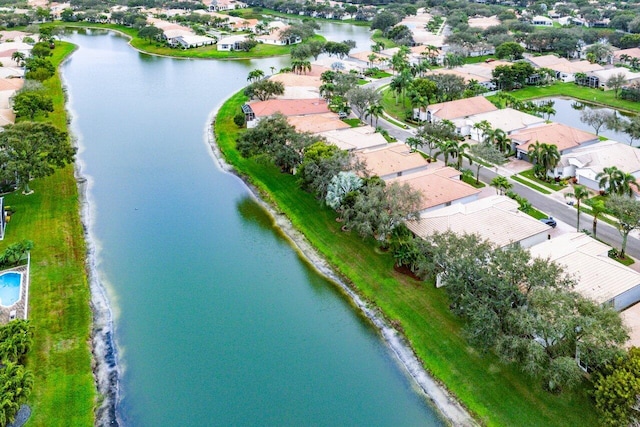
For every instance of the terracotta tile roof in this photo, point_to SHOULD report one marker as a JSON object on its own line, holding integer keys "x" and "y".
{"x": 392, "y": 159}
{"x": 437, "y": 186}
{"x": 289, "y": 107}
{"x": 11, "y": 84}
{"x": 358, "y": 138}
{"x": 461, "y": 108}
{"x": 291, "y": 79}
{"x": 317, "y": 123}
{"x": 633, "y": 52}
{"x": 562, "y": 136}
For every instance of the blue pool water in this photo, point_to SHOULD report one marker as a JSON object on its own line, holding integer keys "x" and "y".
{"x": 9, "y": 288}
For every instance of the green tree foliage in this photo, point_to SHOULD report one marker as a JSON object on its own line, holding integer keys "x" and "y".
{"x": 276, "y": 139}
{"x": 513, "y": 76}
{"x": 321, "y": 163}
{"x": 39, "y": 68}
{"x": 383, "y": 21}
{"x": 15, "y": 254}
{"x": 150, "y": 33}
{"x": 264, "y": 89}
{"x": 485, "y": 153}
{"x": 340, "y": 185}
{"x": 33, "y": 150}
{"x": 450, "y": 87}
{"x": 16, "y": 382}
{"x": 545, "y": 157}
{"x": 580, "y": 193}
{"x": 361, "y": 98}
{"x": 41, "y": 49}
{"x": 29, "y": 103}
{"x": 617, "y": 390}
{"x": 627, "y": 211}
{"x": 524, "y": 309}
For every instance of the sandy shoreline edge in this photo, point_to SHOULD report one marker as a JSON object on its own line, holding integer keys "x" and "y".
{"x": 448, "y": 407}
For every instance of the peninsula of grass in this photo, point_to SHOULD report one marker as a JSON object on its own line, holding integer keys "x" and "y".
{"x": 572, "y": 90}
{"x": 203, "y": 52}
{"x": 64, "y": 392}
{"x": 377, "y": 37}
{"x": 497, "y": 394}
{"x": 531, "y": 176}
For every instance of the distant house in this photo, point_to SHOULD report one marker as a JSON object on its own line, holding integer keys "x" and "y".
{"x": 603, "y": 76}
{"x": 542, "y": 21}
{"x": 275, "y": 38}
{"x": 218, "y": 5}
{"x": 392, "y": 161}
{"x": 439, "y": 186}
{"x": 598, "y": 277}
{"x": 231, "y": 43}
{"x": 619, "y": 55}
{"x": 508, "y": 119}
{"x": 565, "y": 138}
{"x": 495, "y": 218}
{"x": 456, "y": 111}
{"x": 564, "y": 69}
{"x": 255, "y": 111}
{"x": 585, "y": 163}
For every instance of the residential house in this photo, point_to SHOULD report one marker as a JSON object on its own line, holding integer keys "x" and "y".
{"x": 440, "y": 186}
{"x": 620, "y": 55}
{"x": 508, "y": 119}
{"x": 602, "y": 76}
{"x": 255, "y": 111}
{"x": 542, "y": 21}
{"x": 564, "y": 69}
{"x": 231, "y": 43}
{"x": 495, "y": 218}
{"x": 585, "y": 163}
{"x": 298, "y": 86}
{"x": 218, "y": 5}
{"x": 455, "y": 111}
{"x": 355, "y": 139}
{"x": 565, "y": 138}
{"x": 392, "y": 160}
{"x": 598, "y": 277}
{"x": 276, "y": 38}
{"x": 317, "y": 123}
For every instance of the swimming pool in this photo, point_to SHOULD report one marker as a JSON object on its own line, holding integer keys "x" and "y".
{"x": 10, "y": 288}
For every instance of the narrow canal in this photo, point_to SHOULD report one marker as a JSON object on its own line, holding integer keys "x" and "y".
{"x": 218, "y": 320}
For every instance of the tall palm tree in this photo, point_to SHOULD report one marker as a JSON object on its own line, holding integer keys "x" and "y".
{"x": 545, "y": 156}
{"x": 580, "y": 193}
{"x": 374, "y": 110}
{"x": 597, "y": 209}
{"x": 255, "y": 75}
{"x": 460, "y": 153}
{"x": 501, "y": 141}
{"x": 627, "y": 184}
{"x": 449, "y": 148}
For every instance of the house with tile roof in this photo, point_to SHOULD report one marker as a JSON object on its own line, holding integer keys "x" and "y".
{"x": 598, "y": 277}
{"x": 457, "y": 111}
{"x": 507, "y": 119}
{"x": 392, "y": 160}
{"x": 439, "y": 186}
{"x": 565, "y": 138}
{"x": 355, "y": 139}
{"x": 495, "y": 218}
{"x": 288, "y": 107}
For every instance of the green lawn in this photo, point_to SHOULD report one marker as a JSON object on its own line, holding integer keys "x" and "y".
{"x": 472, "y": 182}
{"x": 354, "y": 123}
{"x": 377, "y": 37}
{"x": 530, "y": 184}
{"x": 204, "y": 52}
{"x": 251, "y": 13}
{"x": 498, "y": 394}
{"x": 551, "y": 186}
{"x": 396, "y": 109}
{"x": 477, "y": 59}
{"x": 64, "y": 391}
{"x": 579, "y": 92}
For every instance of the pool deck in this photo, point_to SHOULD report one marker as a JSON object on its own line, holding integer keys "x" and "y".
{"x": 20, "y": 307}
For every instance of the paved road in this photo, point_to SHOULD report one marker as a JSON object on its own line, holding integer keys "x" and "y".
{"x": 545, "y": 203}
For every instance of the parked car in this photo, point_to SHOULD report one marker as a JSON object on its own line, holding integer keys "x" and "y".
{"x": 342, "y": 115}
{"x": 549, "y": 221}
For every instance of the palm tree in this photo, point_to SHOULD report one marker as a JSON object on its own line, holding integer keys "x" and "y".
{"x": 609, "y": 179}
{"x": 545, "y": 156}
{"x": 374, "y": 110}
{"x": 626, "y": 184}
{"x": 624, "y": 58}
{"x": 460, "y": 153}
{"x": 501, "y": 184}
{"x": 501, "y": 141}
{"x": 580, "y": 193}
{"x": 255, "y": 75}
{"x": 18, "y": 57}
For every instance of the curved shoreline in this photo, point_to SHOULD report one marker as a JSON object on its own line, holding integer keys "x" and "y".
{"x": 105, "y": 368}
{"x": 447, "y": 405}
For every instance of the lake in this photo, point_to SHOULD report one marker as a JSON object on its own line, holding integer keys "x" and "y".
{"x": 218, "y": 321}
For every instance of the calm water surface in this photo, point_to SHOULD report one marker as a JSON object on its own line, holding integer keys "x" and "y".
{"x": 218, "y": 321}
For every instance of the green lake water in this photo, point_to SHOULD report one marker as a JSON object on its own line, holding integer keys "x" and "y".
{"x": 217, "y": 319}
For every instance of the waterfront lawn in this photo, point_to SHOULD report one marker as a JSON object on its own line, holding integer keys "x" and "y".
{"x": 204, "y": 52}
{"x": 377, "y": 37}
{"x": 64, "y": 391}
{"x": 572, "y": 90}
{"x": 496, "y": 393}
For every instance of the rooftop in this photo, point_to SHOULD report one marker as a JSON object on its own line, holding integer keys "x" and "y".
{"x": 289, "y": 107}
{"x": 496, "y": 219}
{"x": 598, "y": 277}
{"x": 462, "y": 108}
{"x": 604, "y": 154}
{"x": 437, "y": 186}
{"x": 391, "y": 159}
{"x": 317, "y": 123}
{"x": 358, "y": 138}
{"x": 558, "y": 134}
{"x": 507, "y": 119}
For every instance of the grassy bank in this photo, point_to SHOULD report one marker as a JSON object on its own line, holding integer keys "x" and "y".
{"x": 204, "y": 52}
{"x": 583, "y": 93}
{"x": 64, "y": 391}
{"x": 497, "y": 394}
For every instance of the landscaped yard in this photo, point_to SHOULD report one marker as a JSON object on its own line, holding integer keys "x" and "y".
{"x": 530, "y": 184}
{"x": 354, "y": 123}
{"x": 498, "y": 394}
{"x": 398, "y": 110}
{"x": 530, "y": 175}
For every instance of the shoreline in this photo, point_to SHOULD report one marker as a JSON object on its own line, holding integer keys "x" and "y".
{"x": 447, "y": 406}
{"x": 104, "y": 363}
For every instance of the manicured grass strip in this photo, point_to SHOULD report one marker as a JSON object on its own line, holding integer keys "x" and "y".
{"x": 472, "y": 182}
{"x": 354, "y": 123}
{"x": 529, "y": 174}
{"x": 535, "y": 213}
{"x": 530, "y": 184}
{"x": 204, "y": 52}
{"x": 64, "y": 391}
{"x": 499, "y": 395}
{"x": 572, "y": 90}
